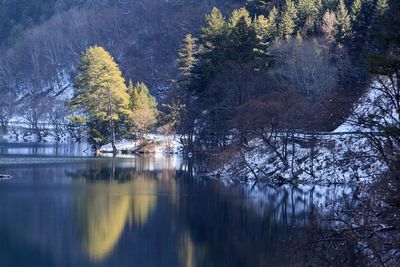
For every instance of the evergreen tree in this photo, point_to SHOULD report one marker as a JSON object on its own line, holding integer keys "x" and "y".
{"x": 130, "y": 89}
{"x": 355, "y": 10}
{"x": 343, "y": 19}
{"x": 101, "y": 94}
{"x": 144, "y": 108}
{"x": 308, "y": 9}
{"x": 360, "y": 27}
{"x": 266, "y": 28}
{"x": 287, "y": 24}
{"x": 381, "y": 7}
{"x": 187, "y": 57}
{"x": 383, "y": 57}
{"x": 243, "y": 40}
{"x": 214, "y": 28}
{"x": 237, "y": 15}
{"x": 272, "y": 29}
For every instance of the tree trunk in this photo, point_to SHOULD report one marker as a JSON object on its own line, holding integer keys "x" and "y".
{"x": 115, "y": 151}
{"x": 4, "y": 126}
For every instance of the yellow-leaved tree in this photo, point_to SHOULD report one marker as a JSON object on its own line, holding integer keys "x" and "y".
{"x": 144, "y": 108}
{"x": 101, "y": 96}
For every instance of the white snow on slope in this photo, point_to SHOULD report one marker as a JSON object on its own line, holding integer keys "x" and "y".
{"x": 337, "y": 158}
{"x": 370, "y": 103}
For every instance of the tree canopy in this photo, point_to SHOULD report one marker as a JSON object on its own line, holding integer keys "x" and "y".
{"x": 101, "y": 94}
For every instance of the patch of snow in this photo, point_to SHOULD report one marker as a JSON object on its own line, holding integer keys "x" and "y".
{"x": 369, "y": 103}
{"x": 163, "y": 144}
{"x": 333, "y": 159}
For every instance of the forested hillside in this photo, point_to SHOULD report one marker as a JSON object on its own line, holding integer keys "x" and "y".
{"x": 295, "y": 65}
{"x": 42, "y": 42}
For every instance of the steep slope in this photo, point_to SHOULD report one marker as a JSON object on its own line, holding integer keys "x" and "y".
{"x": 143, "y": 36}
{"x": 344, "y": 155}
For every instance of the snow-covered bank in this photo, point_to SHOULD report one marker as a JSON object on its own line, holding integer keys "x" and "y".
{"x": 20, "y": 131}
{"x": 337, "y": 160}
{"x": 374, "y": 103}
{"x": 150, "y": 143}
{"x": 33, "y": 138}
{"x": 342, "y": 157}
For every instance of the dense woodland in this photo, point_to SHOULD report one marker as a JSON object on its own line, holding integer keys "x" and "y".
{"x": 295, "y": 66}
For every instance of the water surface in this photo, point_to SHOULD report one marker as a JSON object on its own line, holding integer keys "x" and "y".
{"x": 146, "y": 212}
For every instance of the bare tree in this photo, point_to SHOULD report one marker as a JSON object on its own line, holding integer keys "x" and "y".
{"x": 304, "y": 66}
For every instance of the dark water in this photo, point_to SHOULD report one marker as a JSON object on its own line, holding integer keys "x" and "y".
{"x": 146, "y": 212}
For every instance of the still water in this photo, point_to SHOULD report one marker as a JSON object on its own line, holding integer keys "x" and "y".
{"x": 145, "y": 212}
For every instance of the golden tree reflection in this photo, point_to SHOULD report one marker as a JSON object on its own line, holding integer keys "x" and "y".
{"x": 102, "y": 215}
{"x": 187, "y": 251}
{"x": 144, "y": 199}
{"x": 106, "y": 208}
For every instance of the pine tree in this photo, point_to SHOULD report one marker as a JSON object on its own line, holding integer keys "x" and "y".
{"x": 237, "y": 15}
{"x": 243, "y": 40}
{"x": 272, "y": 29}
{"x": 101, "y": 94}
{"x": 130, "y": 88}
{"x": 144, "y": 108}
{"x": 355, "y": 10}
{"x": 187, "y": 57}
{"x": 381, "y": 7}
{"x": 287, "y": 24}
{"x": 360, "y": 27}
{"x": 266, "y": 28}
{"x": 343, "y": 19}
{"x": 215, "y": 27}
{"x": 308, "y": 9}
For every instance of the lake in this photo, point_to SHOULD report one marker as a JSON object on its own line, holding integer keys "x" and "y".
{"x": 144, "y": 211}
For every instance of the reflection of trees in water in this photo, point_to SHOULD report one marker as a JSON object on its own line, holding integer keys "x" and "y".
{"x": 216, "y": 225}
{"x": 105, "y": 209}
{"x": 152, "y": 163}
{"x": 114, "y": 197}
{"x": 231, "y": 231}
{"x": 127, "y": 169}
{"x": 102, "y": 215}
{"x": 358, "y": 229}
{"x": 144, "y": 200}
{"x": 293, "y": 204}
{"x": 187, "y": 251}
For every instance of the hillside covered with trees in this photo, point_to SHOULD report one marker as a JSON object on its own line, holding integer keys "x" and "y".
{"x": 39, "y": 62}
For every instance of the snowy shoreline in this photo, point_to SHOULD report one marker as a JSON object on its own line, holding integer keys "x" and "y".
{"x": 345, "y": 156}
{"x": 149, "y": 144}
